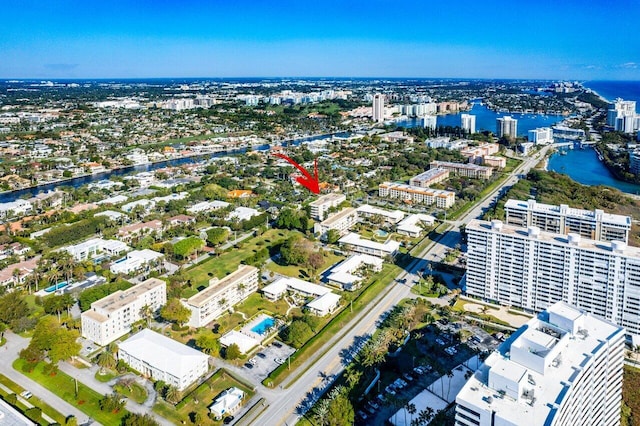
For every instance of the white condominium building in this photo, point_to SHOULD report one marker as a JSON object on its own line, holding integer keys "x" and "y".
{"x": 378, "y": 108}
{"x": 533, "y": 269}
{"x": 321, "y": 206}
{"x": 562, "y": 219}
{"x": 390, "y": 216}
{"x": 507, "y": 126}
{"x": 95, "y": 246}
{"x": 429, "y": 177}
{"x": 221, "y": 295}
{"x": 541, "y": 136}
{"x": 111, "y": 317}
{"x": 137, "y": 261}
{"x": 162, "y": 358}
{"x": 439, "y": 197}
{"x": 464, "y": 169}
{"x": 356, "y": 244}
{"x": 341, "y": 222}
{"x": 622, "y": 116}
{"x": 562, "y": 368}
{"x": 468, "y": 123}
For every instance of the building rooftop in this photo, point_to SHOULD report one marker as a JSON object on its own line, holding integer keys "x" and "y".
{"x": 388, "y": 246}
{"x": 526, "y": 379}
{"x": 430, "y": 174}
{"x": 393, "y": 215}
{"x": 534, "y": 233}
{"x": 337, "y": 217}
{"x": 162, "y": 352}
{"x": 469, "y": 166}
{"x": 329, "y": 198}
{"x": 216, "y": 286}
{"x": 568, "y": 211}
{"x": 417, "y": 189}
{"x": 120, "y": 298}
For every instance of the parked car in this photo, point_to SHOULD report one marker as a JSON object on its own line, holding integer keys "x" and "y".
{"x": 253, "y": 361}
{"x": 26, "y": 394}
{"x": 248, "y": 365}
{"x": 227, "y": 420}
{"x": 374, "y": 405}
{"x": 277, "y": 344}
{"x": 408, "y": 377}
{"x": 261, "y": 355}
{"x": 279, "y": 361}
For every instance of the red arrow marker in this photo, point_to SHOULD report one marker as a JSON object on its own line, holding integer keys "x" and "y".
{"x": 310, "y": 182}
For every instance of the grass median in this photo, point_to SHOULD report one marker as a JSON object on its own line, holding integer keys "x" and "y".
{"x": 337, "y": 324}
{"x": 86, "y": 400}
{"x": 34, "y": 400}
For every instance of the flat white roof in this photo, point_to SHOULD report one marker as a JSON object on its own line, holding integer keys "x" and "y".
{"x": 324, "y": 302}
{"x": 515, "y": 361}
{"x": 570, "y": 211}
{"x": 244, "y": 342}
{"x": 329, "y": 198}
{"x": 114, "y": 200}
{"x": 342, "y": 272}
{"x": 389, "y": 246}
{"x": 557, "y": 239}
{"x": 410, "y": 223}
{"x": 395, "y": 215}
{"x": 281, "y": 285}
{"x": 162, "y": 352}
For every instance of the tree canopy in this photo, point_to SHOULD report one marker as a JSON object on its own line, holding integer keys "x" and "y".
{"x": 175, "y": 311}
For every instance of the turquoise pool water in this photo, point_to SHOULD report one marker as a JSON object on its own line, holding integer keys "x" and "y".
{"x": 381, "y": 233}
{"x": 264, "y": 325}
{"x": 56, "y": 287}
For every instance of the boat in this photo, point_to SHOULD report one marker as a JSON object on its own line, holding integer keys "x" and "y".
{"x": 563, "y": 152}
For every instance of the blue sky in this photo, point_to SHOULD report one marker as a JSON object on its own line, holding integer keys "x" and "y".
{"x": 560, "y": 39}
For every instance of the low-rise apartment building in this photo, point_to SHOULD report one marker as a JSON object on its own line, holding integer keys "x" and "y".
{"x": 162, "y": 358}
{"x": 429, "y": 177}
{"x": 111, "y": 317}
{"x": 441, "y": 198}
{"x": 221, "y": 295}
{"x": 321, "y": 206}
{"x": 464, "y": 169}
{"x": 356, "y": 244}
{"x": 341, "y": 222}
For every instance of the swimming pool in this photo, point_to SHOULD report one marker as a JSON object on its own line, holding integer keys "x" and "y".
{"x": 263, "y": 326}
{"x": 56, "y": 287}
{"x": 381, "y": 233}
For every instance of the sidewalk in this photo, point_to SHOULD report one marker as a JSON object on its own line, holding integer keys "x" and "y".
{"x": 26, "y": 403}
{"x": 9, "y": 354}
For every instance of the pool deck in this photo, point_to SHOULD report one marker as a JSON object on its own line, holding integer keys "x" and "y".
{"x": 246, "y": 330}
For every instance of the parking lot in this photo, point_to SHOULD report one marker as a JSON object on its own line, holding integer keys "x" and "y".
{"x": 266, "y": 360}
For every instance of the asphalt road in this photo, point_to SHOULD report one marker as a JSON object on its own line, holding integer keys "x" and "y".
{"x": 284, "y": 406}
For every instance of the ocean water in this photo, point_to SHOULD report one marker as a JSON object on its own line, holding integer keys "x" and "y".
{"x": 486, "y": 120}
{"x": 610, "y": 90}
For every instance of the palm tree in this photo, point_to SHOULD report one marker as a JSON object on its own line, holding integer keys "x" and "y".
{"x": 449, "y": 376}
{"x": 106, "y": 361}
{"x": 145, "y": 313}
{"x": 411, "y": 408}
{"x": 426, "y": 415}
{"x": 172, "y": 395}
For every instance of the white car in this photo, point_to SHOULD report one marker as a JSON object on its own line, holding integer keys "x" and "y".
{"x": 26, "y": 394}
{"x": 279, "y": 361}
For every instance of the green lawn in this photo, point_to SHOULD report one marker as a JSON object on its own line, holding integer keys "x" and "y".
{"x": 87, "y": 400}
{"x": 220, "y": 266}
{"x": 303, "y": 273}
{"x": 104, "y": 378}
{"x": 136, "y": 392}
{"x": 34, "y": 400}
{"x": 199, "y": 400}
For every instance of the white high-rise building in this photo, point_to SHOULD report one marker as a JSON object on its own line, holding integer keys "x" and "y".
{"x": 378, "y": 108}
{"x": 507, "y": 126}
{"x": 622, "y": 116}
{"x": 533, "y": 269}
{"x": 541, "y": 136}
{"x": 429, "y": 121}
{"x": 468, "y": 123}
{"x": 562, "y": 219}
{"x": 562, "y": 368}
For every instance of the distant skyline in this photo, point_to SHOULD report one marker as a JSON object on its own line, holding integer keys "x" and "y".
{"x": 597, "y": 40}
